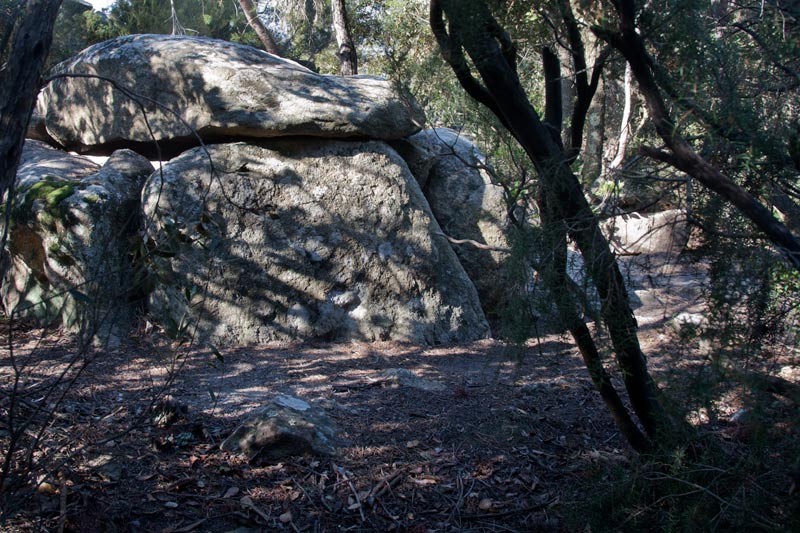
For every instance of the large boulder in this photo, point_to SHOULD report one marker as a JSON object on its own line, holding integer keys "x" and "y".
{"x": 303, "y": 240}
{"x": 468, "y": 206}
{"x": 69, "y": 243}
{"x": 222, "y": 90}
{"x": 39, "y": 159}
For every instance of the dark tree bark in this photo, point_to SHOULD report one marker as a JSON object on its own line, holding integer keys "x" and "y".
{"x": 20, "y": 77}
{"x": 263, "y": 33}
{"x": 7, "y": 18}
{"x": 348, "y": 59}
{"x": 553, "y": 112}
{"x": 471, "y": 28}
{"x": 586, "y": 80}
{"x": 20, "y": 81}
{"x": 554, "y": 275}
{"x": 681, "y": 155}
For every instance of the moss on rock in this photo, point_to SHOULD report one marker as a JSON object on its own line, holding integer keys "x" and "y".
{"x": 50, "y": 193}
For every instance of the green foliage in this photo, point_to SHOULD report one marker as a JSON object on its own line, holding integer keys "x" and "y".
{"x": 740, "y": 482}
{"x": 754, "y": 297}
{"x": 740, "y": 74}
{"x": 717, "y": 492}
{"x": 77, "y": 29}
{"x": 198, "y": 17}
{"x": 309, "y": 36}
{"x": 524, "y": 302}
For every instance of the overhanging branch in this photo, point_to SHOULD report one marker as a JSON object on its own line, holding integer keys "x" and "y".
{"x": 683, "y": 157}
{"x": 452, "y": 51}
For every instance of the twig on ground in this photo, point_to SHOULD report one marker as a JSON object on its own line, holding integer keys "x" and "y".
{"x": 385, "y": 484}
{"x": 305, "y": 493}
{"x": 341, "y": 471}
{"x": 529, "y": 509}
{"x": 62, "y": 514}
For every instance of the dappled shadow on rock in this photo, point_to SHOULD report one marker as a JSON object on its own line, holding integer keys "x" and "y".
{"x": 302, "y": 240}
{"x": 69, "y": 241}
{"x": 217, "y": 88}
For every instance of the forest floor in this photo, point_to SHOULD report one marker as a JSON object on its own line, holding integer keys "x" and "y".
{"x": 516, "y": 440}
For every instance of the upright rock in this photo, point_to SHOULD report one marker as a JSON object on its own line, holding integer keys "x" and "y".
{"x": 222, "y": 90}
{"x": 301, "y": 240}
{"x": 467, "y": 205}
{"x": 69, "y": 240}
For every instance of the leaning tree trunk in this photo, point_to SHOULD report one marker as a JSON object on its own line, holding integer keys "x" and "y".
{"x": 348, "y": 59}
{"x": 19, "y": 84}
{"x": 554, "y": 275}
{"x": 471, "y": 28}
{"x": 263, "y": 33}
{"x": 30, "y": 42}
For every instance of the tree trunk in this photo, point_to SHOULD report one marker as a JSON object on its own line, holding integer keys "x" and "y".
{"x": 595, "y": 138}
{"x": 625, "y": 124}
{"x": 263, "y": 33}
{"x": 19, "y": 85}
{"x": 348, "y": 59}
{"x": 554, "y": 274}
{"x": 177, "y": 27}
{"x": 30, "y": 40}
{"x": 471, "y": 27}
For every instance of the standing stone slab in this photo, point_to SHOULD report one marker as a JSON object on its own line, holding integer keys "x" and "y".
{"x": 69, "y": 240}
{"x": 221, "y": 89}
{"x": 305, "y": 239}
{"x": 466, "y": 203}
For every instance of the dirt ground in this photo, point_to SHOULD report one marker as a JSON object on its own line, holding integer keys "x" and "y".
{"x": 502, "y": 445}
{"x": 513, "y": 441}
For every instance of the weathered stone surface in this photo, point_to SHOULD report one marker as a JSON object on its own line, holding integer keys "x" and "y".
{"x": 287, "y": 426}
{"x": 69, "y": 249}
{"x": 38, "y": 159}
{"x": 304, "y": 240}
{"x": 466, "y": 204}
{"x": 221, "y": 89}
